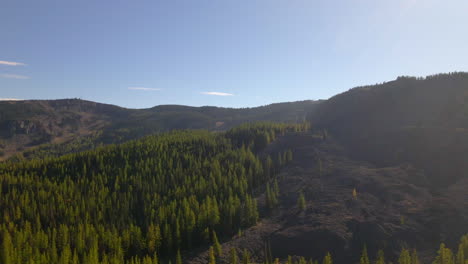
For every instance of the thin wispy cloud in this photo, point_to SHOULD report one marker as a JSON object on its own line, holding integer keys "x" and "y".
{"x": 11, "y": 63}
{"x": 144, "y": 89}
{"x": 11, "y": 99}
{"x": 13, "y": 76}
{"x": 217, "y": 93}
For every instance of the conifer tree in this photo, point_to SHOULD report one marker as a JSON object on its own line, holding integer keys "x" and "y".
{"x": 364, "y": 257}
{"x": 234, "y": 258}
{"x": 7, "y": 249}
{"x": 216, "y": 245}
{"x": 153, "y": 238}
{"x": 301, "y": 202}
{"x": 280, "y": 159}
{"x": 276, "y": 188}
{"x": 155, "y": 259}
{"x": 444, "y": 255}
{"x": 271, "y": 197}
{"x": 245, "y": 257}
{"x": 380, "y": 257}
{"x": 415, "y": 257}
{"x": 289, "y": 155}
{"x": 405, "y": 257}
{"x": 327, "y": 259}
{"x": 65, "y": 255}
{"x": 212, "y": 259}
{"x": 460, "y": 254}
{"x": 267, "y": 253}
{"x": 178, "y": 257}
{"x": 93, "y": 254}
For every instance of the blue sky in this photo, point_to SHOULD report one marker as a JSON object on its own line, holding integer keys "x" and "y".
{"x": 217, "y": 52}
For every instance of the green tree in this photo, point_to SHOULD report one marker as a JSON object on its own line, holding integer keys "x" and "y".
{"x": 234, "y": 258}
{"x": 276, "y": 188}
{"x": 327, "y": 259}
{"x": 405, "y": 257}
{"x": 153, "y": 238}
{"x": 212, "y": 259}
{"x": 178, "y": 257}
{"x": 380, "y": 257}
{"x": 216, "y": 245}
{"x": 93, "y": 255}
{"x": 65, "y": 255}
{"x": 444, "y": 255}
{"x": 461, "y": 254}
{"x": 364, "y": 257}
{"x": 271, "y": 197}
{"x": 301, "y": 202}
{"x": 289, "y": 155}
{"x": 245, "y": 257}
{"x": 7, "y": 249}
{"x": 415, "y": 257}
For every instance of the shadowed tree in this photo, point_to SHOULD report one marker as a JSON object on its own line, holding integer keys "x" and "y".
{"x": 327, "y": 259}
{"x": 364, "y": 257}
{"x": 301, "y": 202}
{"x": 234, "y": 258}
{"x": 211, "y": 256}
{"x": 380, "y": 257}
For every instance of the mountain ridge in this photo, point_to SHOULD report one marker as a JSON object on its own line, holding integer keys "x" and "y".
{"x": 26, "y": 125}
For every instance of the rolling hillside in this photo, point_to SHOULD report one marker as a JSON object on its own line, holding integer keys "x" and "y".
{"x": 55, "y": 127}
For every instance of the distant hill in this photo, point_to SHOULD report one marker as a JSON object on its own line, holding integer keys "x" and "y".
{"x": 55, "y": 127}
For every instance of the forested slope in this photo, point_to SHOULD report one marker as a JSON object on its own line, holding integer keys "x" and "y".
{"x": 38, "y": 128}
{"x": 143, "y": 200}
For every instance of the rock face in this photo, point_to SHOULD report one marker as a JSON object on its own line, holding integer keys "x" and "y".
{"x": 393, "y": 207}
{"x": 14, "y": 127}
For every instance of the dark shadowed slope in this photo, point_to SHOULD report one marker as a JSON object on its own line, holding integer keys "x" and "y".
{"x": 419, "y": 121}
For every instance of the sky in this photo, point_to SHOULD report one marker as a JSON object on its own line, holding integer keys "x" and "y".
{"x": 238, "y": 53}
